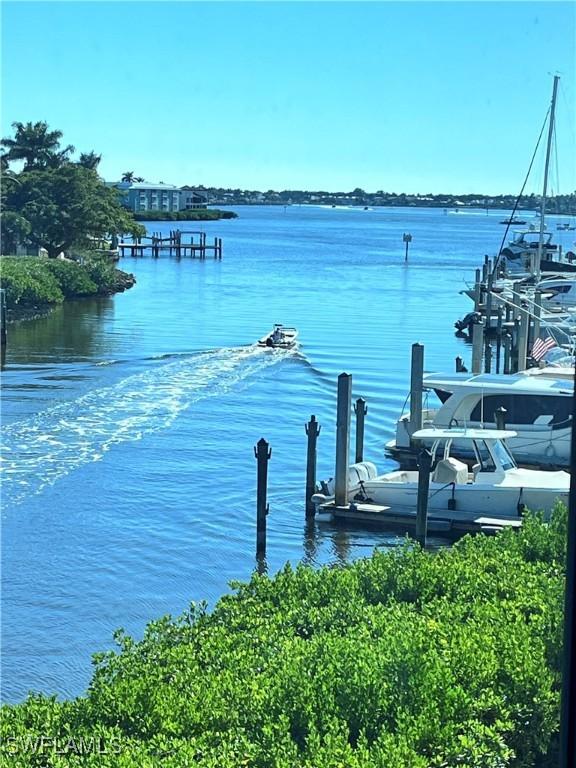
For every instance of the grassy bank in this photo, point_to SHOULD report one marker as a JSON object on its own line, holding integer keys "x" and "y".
{"x": 32, "y": 281}
{"x": 199, "y": 214}
{"x": 402, "y": 660}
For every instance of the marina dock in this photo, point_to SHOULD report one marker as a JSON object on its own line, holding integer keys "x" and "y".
{"x": 452, "y": 524}
{"x": 178, "y": 243}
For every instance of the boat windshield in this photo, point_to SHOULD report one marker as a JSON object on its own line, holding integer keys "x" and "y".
{"x": 503, "y": 455}
{"x": 496, "y": 454}
{"x": 484, "y": 456}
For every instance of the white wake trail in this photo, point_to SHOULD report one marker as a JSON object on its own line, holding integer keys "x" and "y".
{"x": 38, "y": 451}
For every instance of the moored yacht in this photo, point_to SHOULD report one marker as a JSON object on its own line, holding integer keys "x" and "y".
{"x": 493, "y": 483}
{"x": 537, "y": 403}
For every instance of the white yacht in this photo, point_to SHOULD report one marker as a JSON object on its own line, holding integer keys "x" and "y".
{"x": 538, "y": 405}
{"x": 494, "y": 484}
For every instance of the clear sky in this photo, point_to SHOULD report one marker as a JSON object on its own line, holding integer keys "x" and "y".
{"x": 400, "y": 96}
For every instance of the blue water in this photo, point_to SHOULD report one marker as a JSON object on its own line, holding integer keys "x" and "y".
{"x": 129, "y": 422}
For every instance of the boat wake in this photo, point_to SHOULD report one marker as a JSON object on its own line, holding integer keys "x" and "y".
{"x": 38, "y": 451}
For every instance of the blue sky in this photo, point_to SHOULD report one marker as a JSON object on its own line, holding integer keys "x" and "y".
{"x": 400, "y": 96}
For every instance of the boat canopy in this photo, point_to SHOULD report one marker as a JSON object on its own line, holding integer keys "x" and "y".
{"x": 455, "y": 433}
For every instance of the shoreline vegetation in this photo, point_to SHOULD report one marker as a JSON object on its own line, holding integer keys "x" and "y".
{"x": 560, "y": 204}
{"x": 407, "y": 659}
{"x": 34, "y": 284}
{"x": 196, "y": 214}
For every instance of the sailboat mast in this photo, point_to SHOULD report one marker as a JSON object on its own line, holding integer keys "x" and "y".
{"x": 546, "y": 167}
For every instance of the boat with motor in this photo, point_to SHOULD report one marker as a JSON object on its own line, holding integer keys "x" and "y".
{"x": 493, "y": 483}
{"x": 537, "y": 403}
{"x": 280, "y": 337}
{"x": 513, "y": 221}
{"x": 521, "y": 253}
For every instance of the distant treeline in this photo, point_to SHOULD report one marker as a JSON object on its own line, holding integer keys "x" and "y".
{"x": 198, "y": 214}
{"x": 560, "y": 204}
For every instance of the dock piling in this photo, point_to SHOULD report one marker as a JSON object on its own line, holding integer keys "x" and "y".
{"x": 477, "y": 347}
{"x": 360, "y": 409}
{"x": 262, "y": 453}
{"x": 424, "y": 465}
{"x": 342, "y": 438}
{"x": 500, "y": 417}
{"x": 523, "y": 340}
{"x": 312, "y": 432}
{"x": 416, "y": 387}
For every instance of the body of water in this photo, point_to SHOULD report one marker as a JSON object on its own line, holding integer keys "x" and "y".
{"x": 129, "y": 422}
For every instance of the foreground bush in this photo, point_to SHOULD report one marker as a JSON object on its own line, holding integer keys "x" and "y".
{"x": 406, "y": 659}
{"x": 37, "y": 281}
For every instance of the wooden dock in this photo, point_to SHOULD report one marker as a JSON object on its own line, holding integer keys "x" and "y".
{"x": 178, "y": 243}
{"x": 448, "y": 523}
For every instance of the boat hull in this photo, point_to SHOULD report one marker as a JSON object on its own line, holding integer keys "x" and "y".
{"x": 501, "y": 501}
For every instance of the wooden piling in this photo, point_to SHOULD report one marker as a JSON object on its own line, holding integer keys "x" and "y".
{"x": 342, "y": 439}
{"x": 537, "y": 315}
{"x": 424, "y": 465}
{"x": 523, "y": 340}
{"x": 487, "y": 357}
{"x": 500, "y": 417}
{"x": 262, "y": 454}
{"x": 477, "y": 346}
{"x": 477, "y": 290}
{"x": 312, "y": 432}
{"x": 507, "y": 363}
{"x": 3, "y": 318}
{"x": 416, "y": 387}
{"x": 360, "y": 409}
{"x": 498, "y": 339}
{"x": 489, "y": 301}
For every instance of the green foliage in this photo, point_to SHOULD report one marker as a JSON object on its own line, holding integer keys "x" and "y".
{"x": 55, "y": 203}
{"x": 68, "y": 206}
{"x": 28, "y": 282}
{"x": 407, "y": 659}
{"x": 34, "y": 281}
{"x": 196, "y": 214}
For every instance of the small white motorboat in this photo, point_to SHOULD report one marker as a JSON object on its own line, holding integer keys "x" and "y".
{"x": 494, "y": 485}
{"x": 281, "y": 336}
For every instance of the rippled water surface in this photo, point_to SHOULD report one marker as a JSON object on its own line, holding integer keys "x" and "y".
{"x": 129, "y": 422}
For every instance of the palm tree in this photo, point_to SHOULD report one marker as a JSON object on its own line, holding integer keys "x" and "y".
{"x": 36, "y": 145}
{"x": 89, "y": 160}
{"x": 128, "y": 176}
{"x": 138, "y": 179}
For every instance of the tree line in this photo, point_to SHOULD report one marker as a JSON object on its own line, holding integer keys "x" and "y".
{"x": 53, "y": 201}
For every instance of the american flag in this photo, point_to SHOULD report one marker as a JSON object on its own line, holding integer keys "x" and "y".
{"x": 541, "y": 346}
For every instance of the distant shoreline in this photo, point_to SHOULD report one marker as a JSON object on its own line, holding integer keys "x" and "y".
{"x": 198, "y": 214}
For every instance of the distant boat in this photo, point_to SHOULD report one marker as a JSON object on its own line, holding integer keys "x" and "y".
{"x": 513, "y": 221}
{"x": 565, "y": 226}
{"x": 533, "y": 250}
{"x": 281, "y": 337}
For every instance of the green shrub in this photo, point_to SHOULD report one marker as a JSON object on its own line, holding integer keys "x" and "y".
{"x": 73, "y": 278}
{"x": 405, "y": 659}
{"x": 33, "y": 281}
{"x": 28, "y": 282}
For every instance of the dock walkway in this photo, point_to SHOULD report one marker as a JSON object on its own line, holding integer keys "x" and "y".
{"x": 175, "y": 244}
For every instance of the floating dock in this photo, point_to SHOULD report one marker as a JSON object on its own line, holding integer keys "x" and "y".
{"x": 449, "y": 523}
